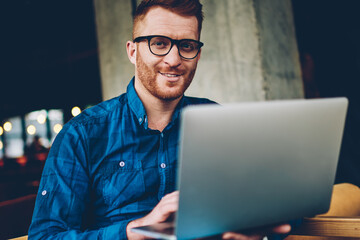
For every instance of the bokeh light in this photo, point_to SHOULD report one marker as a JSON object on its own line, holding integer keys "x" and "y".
{"x": 57, "y": 128}
{"x": 31, "y": 129}
{"x": 7, "y": 126}
{"x": 41, "y": 118}
{"x": 75, "y": 111}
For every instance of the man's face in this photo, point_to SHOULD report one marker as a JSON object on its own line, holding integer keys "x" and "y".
{"x": 164, "y": 77}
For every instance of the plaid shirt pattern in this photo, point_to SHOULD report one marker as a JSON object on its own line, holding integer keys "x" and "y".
{"x": 106, "y": 168}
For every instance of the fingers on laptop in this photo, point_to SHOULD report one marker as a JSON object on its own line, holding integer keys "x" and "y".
{"x": 239, "y": 236}
{"x": 165, "y": 208}
{"x": 282, "y": 229}
{"x": 169, "y": 203}
{"x": 259, "y": 233}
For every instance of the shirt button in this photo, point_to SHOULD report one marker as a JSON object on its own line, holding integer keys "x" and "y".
{"x": 140, "y": 119}
{"x": 163, "y": 165}
{"x": 122, "y": 164}
{"x": 44, "y": 192}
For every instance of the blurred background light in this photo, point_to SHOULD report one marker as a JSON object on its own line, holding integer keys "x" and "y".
{"x": 31, "y": 129}
{"x": 41, "y": 118}
{"x": 1, "y": 131}
{"x": 75, "y": 111}
{"x": 57, "y": 128}
{"x": 7, "y": 126}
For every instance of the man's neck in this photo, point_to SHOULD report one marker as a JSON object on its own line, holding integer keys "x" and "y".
{"x": 159, "y": 112}
{"x": 159, "y": 115}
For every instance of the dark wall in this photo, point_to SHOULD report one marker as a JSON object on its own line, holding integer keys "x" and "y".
{"x": 328, "y": 35}
{"x": 48, "y": 55}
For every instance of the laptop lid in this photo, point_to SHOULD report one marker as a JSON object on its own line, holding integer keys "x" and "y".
{"x": 252, "y": 164}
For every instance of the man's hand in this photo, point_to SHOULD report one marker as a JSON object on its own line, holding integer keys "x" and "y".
{"x": 162, "y": 211}
{"x": 169, "y": 205}
{"x": 258, "y": 234}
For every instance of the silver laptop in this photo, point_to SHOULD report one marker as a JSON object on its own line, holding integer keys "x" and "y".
{"x": 248, "y": 165}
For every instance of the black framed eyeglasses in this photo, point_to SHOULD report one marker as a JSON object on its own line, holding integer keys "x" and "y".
{"x": 161, "y": 45}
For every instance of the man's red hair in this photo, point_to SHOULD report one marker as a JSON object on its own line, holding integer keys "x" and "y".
{"x": 181, "y": 7}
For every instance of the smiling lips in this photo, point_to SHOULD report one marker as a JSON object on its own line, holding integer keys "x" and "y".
{"x": 170, "y": 74}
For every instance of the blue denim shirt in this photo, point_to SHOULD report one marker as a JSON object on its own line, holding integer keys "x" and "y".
{"x": 106, "y": 168}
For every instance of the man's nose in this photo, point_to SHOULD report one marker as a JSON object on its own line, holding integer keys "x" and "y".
{"x": 173, "y": 58}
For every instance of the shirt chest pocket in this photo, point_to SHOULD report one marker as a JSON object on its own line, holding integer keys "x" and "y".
{"x": 122, "y": 183}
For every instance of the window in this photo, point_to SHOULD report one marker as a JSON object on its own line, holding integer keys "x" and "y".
{"x": 14, "y": 146}
{"x": 16, "y": 133}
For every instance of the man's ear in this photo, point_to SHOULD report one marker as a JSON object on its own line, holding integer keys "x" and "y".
{"x": 131, "y": 51}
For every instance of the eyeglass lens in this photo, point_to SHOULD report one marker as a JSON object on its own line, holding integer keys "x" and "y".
{"x": 162, "y": 46}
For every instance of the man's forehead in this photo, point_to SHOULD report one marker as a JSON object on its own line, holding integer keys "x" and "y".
{"x": 160, "y": 21}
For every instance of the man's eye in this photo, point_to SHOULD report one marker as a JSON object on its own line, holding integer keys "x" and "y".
{"x": 159, "y": 44}
{"x": 188, "y": 46}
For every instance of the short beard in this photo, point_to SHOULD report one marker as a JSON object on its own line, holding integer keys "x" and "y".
{"x": 147, "y": 77}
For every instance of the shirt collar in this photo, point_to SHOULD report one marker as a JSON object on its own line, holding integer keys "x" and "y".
{"x": 138, "y": 108}
{"x": 135, "y": 103}
{"x": 178, "y": 109}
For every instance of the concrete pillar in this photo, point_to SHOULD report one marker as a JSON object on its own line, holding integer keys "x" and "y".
{"x": 250, "y": 51}
{"x": 114, "y": 28}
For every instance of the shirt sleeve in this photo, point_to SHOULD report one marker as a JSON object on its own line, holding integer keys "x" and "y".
{"x": 64, "y": 192}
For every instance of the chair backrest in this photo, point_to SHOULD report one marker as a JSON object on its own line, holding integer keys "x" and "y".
{"x": 345, "y": 201}
{"x": 15, "y": 216}
{"x": 342, "y": 221}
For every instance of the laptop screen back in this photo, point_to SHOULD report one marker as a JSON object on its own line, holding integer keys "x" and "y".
{"x": 253, "y": 164}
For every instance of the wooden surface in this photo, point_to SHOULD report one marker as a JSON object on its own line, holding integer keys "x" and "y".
{"x": 20, "y": 238}
{"x": 295, "y": 237}
{"x": 342, "y": 221}
{"x": 330, "y": 227}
